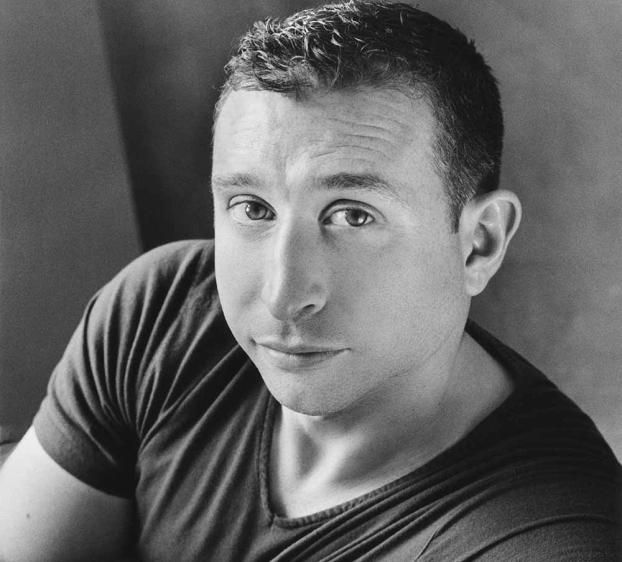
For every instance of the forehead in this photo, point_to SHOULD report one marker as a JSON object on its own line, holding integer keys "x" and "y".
{"x": 385, "y": 113}
{"x": 363, "y": 131}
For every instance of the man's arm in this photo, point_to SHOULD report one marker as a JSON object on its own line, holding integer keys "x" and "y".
{"x": 48, "y": 514}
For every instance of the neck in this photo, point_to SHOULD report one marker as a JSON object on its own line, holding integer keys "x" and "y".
{"x": 320, "y": 461}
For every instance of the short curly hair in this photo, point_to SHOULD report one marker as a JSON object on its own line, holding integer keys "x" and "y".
{"x": 386, "y": 45}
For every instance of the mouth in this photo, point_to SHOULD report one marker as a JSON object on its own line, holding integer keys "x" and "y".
{"x": 297, "y": 356}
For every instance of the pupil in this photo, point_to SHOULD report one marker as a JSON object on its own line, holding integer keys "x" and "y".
{"x": 255, "y": 211}
{"x": 355, "y": 217}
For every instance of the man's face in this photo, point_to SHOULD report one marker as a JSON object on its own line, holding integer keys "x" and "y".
{"x": 336, "y": 266}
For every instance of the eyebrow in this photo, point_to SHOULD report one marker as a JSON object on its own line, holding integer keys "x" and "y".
{"x": 340, "y": 181}
{"x": 235, "y": 180}
{"x": 365, "y": 182}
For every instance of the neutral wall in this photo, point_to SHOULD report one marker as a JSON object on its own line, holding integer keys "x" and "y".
{"x": 66, "y": 222}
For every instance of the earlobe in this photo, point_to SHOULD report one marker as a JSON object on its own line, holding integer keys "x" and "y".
{"x": 487, "y": 224}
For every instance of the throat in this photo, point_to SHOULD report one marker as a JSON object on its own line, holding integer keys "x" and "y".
{"x": 304, "y": 480}
{"x": 309, "y": 475}
{"x": 316, "y": 464}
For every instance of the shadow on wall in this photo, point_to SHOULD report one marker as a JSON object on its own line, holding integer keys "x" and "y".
{"x": 66, "y": 219}
{"x": 166, "y": 61}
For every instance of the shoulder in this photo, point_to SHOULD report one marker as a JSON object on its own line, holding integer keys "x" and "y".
{"x": 163, "y": 278}
{"x": 184, "y": 253}
{"x": 537, "y": 477}
{"x": 535, "y": 397}
{"x": 185, "y": 260}
{"x": 146, "y": 339}
{"x": 538, "y": 421}
{"x": 159, "y": 307}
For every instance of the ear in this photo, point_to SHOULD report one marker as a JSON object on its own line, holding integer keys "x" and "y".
{"x": 487, "y": 224}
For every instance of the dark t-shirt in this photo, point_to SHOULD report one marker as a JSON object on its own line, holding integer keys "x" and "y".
{"x": 153, "y": 400}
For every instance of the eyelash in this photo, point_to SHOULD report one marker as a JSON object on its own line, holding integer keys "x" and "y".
{"x": 367, "y": 216}
{"x": 345, "y": 207}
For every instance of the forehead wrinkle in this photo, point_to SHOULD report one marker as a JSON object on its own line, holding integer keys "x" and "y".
{"x": 240, "y": 127}
{"x": 381, "y": 126}
{"x": 390, "y": 139}
{"x": 385, "y": 110}
{"x": 391, "y": 135}
{"x": 371, "y": 149}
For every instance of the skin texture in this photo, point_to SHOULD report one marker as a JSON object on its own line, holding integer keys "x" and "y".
{"x": 387, "y": 295}
{"x": 46, "y": 514}
{"x": 341, "y": 278}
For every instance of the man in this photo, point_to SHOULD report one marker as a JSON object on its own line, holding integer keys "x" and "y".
{"x": 322, "y": 395}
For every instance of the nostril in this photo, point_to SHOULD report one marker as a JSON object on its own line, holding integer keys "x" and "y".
{"x": 305, "y": 312}
{"x": 289, "y": 299}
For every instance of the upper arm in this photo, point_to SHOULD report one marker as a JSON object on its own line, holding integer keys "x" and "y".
{"x": 48, "y": 514}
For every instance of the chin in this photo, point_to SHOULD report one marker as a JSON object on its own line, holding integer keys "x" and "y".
{"x": 312, "y": 410}
{"x": 309, "y": 400}
{"x": 302, "y": 402}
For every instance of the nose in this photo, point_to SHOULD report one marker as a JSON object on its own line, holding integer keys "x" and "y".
{"x": 295, "y": 280}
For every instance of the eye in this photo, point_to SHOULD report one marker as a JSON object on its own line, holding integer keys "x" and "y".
{"x": 250, "y": 210}
{"x": 352, "y": 216}
{"x": 256, "y": 211}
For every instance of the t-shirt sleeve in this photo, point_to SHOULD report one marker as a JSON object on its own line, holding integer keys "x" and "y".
{"x": 99, "y": 400}
{"x": 576, "y": 539}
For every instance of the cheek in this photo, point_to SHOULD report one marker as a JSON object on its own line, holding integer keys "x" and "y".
{"x": 413, "y": 291}
{"x": 236, "y": 277}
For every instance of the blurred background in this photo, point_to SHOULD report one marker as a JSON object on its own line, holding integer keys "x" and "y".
{"x": 105, "y": 117}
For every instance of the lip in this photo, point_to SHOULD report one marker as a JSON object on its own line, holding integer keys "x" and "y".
{"x": 297, "y": 356}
